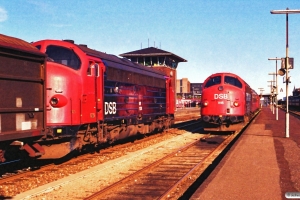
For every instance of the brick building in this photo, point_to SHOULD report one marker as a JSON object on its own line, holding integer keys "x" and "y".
{"x": 188, "y": 90}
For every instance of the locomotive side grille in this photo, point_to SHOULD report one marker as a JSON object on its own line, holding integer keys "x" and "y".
{"x": 119, "y": 75}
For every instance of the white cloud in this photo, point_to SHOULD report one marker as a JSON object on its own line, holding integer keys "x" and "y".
{"x": 3, "y": 15}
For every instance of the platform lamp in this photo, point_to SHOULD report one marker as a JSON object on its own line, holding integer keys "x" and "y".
{"x": 286, "y": 12}
{"x": 276, "y": 94}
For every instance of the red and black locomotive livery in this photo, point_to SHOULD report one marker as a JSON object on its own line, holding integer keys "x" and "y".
{"x": 94, "y": 98}
{"x": 227, "y": 100}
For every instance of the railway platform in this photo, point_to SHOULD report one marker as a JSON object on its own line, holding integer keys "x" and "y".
{"x": 262, "y": 164}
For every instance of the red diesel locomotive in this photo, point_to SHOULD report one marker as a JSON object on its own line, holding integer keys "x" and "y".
{"x": 94, "y": 98}
{"x": 227, "y": 100}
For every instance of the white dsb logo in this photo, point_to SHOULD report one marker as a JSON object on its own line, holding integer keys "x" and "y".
{"x": 220, "y": 96}
{"x": 110, "y": 108}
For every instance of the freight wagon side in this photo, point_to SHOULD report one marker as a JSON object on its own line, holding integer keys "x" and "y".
{"x": 22, "y": 99}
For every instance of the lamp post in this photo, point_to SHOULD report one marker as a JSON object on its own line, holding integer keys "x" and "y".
{"x": 271, "y": 95}
{"x": 276, "y": 86}
{"x": 286, "y": 12}
{"x": 274, "y": 92}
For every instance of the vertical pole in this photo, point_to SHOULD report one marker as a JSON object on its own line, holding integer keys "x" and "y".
{"x": 273, "y": 96}
{"x": 276, "y": 92}
{"x": 287, "y": 131}
{"x": 271, "y": 92}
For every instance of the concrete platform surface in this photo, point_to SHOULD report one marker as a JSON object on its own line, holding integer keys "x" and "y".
{"x": 263, "y": 164}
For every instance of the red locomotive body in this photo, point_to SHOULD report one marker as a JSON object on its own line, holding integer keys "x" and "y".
{"x": 255, "y": 101}
{"x": 227, "y": 100}
{"x": 22, "y": 100}
{"x": 94, "y": 97}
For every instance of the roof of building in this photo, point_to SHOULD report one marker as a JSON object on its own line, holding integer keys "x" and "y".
{"x": 152, "y": 51}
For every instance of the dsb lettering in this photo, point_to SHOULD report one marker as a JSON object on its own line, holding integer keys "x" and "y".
{"x": 110, "y": 108}
{"x": 220, "y": 96}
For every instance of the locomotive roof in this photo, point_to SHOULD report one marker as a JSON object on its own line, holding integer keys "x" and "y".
{"x": 116, "y": 59}
{"x": 18, "y": 45}
{"x": 152, "y": 51}
{"x": 231, "y": 74}
{"x": 226, "y": 73}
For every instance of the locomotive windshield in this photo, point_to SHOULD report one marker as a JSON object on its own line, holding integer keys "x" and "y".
{"x": 63, "y": 56}
{"x": 233, "y": 81}
{"x": 213, "y": 81}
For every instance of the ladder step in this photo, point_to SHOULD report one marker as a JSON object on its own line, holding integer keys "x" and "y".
{"x": 29, "y": 150}
{"x": 37, "y": 150}
{"x": 40, "y": 149}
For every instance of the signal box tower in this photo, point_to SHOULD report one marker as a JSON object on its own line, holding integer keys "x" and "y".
{"x": 160, "y": 59}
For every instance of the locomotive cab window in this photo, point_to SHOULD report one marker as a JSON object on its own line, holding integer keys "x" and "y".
{"x": 93, "y": 69}
{"x": 213, "y": 81}
{"x": 64, "y": 56}
{"x": 38, "y": 47}
{"x": 89, "y": 70}
{"x": 233, "y": 81}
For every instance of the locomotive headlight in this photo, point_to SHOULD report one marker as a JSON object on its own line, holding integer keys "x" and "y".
{"x": 236, "y": 104}
{"x": 54, "y": 101}
{"x": 58, "y": 100}
{"x": 205, "y": 103}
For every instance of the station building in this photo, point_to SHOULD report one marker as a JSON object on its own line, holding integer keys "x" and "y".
{"x": 187, "y": 90}
{"x": 188, "y": 94}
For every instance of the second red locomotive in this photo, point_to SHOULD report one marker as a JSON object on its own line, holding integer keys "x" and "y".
{"x": 94, "y": 98}
{"x": 227, "y": 100}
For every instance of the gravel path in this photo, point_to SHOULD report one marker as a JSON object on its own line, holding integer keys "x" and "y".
{"x": 83, "y": 184}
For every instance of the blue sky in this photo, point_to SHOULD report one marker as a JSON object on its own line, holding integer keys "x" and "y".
{"x": 235, "y": 36}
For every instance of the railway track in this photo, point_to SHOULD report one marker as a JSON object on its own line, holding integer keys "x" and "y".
{"x": 292, "y": 111}
{"x": 172, "y": 175}
{"x": 19, "y": 181}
